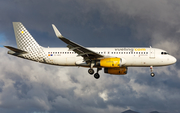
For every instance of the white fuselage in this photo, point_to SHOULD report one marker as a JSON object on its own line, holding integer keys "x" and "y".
{"x": 114, "y": 60}
{"x": 132, "y": 57}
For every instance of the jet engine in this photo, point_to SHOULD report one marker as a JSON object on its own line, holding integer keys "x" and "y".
{"x": 111, "y": 62}
{"x": 106, "y": 62}
{"x": 116, "y": 71}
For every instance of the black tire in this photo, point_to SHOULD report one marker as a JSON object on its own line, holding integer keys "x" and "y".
{"x": 152, "y": 74}
{"x": 96, "y": 75}
{"x": 91, "y": 71}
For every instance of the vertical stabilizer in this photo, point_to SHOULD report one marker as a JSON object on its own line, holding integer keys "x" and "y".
{"x": 26, "y": 42}
{"x": 24, "y": 39}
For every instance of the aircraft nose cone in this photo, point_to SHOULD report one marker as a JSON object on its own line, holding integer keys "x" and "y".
{"x": 173, "y": 60}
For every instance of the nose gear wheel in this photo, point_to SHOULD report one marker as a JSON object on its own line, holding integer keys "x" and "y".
{"x": 152, "y": 74}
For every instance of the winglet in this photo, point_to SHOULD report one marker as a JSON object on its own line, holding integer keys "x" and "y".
{"x": 58, "y": 34}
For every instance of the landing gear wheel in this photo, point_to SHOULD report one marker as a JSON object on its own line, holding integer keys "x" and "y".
{"x": 91, "y": 71}
{"x": 96, "y": 75}
{"x": 152, "y": 74}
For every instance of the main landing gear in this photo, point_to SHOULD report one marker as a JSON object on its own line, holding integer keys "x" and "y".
{"x": 152, "y": 74}
{"x": 96, "y": 75}
{"x": 91, "y": 71}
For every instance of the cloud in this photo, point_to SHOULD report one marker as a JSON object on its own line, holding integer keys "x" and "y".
{"x": 125, "y": 20}
{"x": 2, "y": 40}
{"x": 34, "y": 87}
{"x": 27, "y": 86}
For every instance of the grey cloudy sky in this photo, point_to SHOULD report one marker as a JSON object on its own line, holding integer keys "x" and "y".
{"x": 29, "y": 87}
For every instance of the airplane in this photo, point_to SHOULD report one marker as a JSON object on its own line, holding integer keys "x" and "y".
{"x": 114, "y": 60}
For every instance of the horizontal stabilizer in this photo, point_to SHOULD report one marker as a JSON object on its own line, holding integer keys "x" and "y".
{"x": 16, "y": 50}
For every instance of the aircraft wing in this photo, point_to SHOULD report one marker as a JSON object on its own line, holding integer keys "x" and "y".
{"x": 80, "y": 50}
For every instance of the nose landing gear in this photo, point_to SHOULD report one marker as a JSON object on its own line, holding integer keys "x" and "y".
{"x": 152, "y": 74}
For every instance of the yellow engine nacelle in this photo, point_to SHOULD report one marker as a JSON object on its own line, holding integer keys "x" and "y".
{"x": 116, "y": 71}
{"x": 110, "y": 62}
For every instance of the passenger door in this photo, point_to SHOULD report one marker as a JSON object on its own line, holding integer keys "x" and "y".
{"x": 152, "y": 53}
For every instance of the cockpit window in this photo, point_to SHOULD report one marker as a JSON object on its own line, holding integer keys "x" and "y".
{"x": 164, "y": 53}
